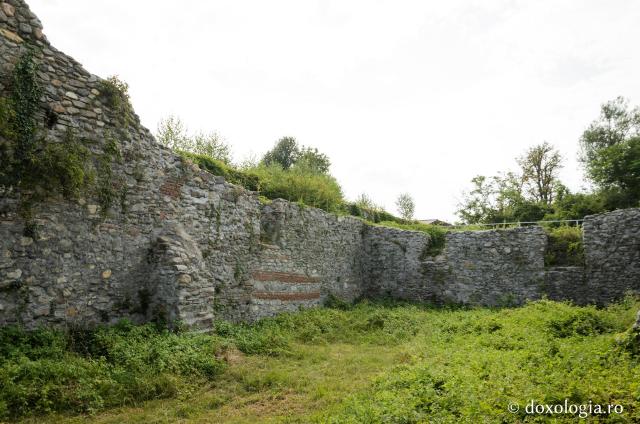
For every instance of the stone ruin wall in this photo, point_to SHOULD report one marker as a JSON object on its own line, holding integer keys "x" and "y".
{"x": 183, "y": 245}
{"x": 612, "y": 254}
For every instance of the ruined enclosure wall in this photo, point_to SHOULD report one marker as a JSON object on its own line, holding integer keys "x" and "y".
{"x": 177, "y": 244}
{"x": 612, "y": 254}
{"x": 506, "y": 267}
{"x": 394, "y": 263}
{"x": 305, "y": 255}
{"x": 181, "y": 245}
{"x": 173, "y": 230}
{"x": 496, "y": 267}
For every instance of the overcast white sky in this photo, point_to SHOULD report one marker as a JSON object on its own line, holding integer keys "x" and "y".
{"x": 404, "y": 96}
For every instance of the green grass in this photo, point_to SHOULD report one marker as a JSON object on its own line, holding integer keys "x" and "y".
{"x": 300, "y": 185}
{"x": 564, "y": 247}
{"x": 368, "y": 363}
{"x": 272, "y": 182}
{"x": 246, "y": 179}
{"x": 436, "y": 233}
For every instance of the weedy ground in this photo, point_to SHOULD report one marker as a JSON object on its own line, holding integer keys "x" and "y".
{"x": 366, "y": 363}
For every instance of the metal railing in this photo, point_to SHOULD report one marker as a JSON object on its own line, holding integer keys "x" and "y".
{"x": 575, "y": 222}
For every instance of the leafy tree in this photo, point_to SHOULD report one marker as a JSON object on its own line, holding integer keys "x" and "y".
{"x": 616, "y": 123}
{"x": 477, "y": 204}
{"x": 499, "y": 199}
{"x": 363, "y": 201}
{"x": 515, "y": 196}
{"x": 406, "y": 206}
{"x": 509, "y": 196}
{"x": 540, "y": 166}
{"x": 285, "y": 153}
{"x": 212, "y": 145}
{"x": 611, "y": 153}
{"x": 312, "y": 160}
{"x": 173, "y": 133}
{"x": 567, "y": 205}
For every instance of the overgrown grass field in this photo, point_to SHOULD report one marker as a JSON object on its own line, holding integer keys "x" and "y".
{"x": 367, "y": 363}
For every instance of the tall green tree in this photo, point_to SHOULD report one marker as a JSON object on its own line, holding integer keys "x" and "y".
{"x": 406, "y": 206}
{"x": 611, "y": 153}
{"x": 312, "y": 160}
{"x": 285, "y": 153}
{"x": 540, "y": 166}
{"x": 173, "y": 133}
{"x": 288, "y": 154}
{"x": 524, "y": 196}
{"x": 478, "y": 204}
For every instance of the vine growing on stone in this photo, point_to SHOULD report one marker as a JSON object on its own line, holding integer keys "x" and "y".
{"x": 37, "y": 167}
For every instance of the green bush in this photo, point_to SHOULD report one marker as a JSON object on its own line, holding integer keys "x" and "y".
{"x": 30, "y": 162}
{"x": 363, "y": 322}
{"x": 436, "y": 233}
{"x": 454, "y": 365}
{"x": 582, "y": 322}
{"x": 260, "y": 338}
{"x": 300, "y": 185}
{"x": 374, "y": 214}
{"x": 246, "y": 179}
{"x": 296, "y": 184}
{"x": 116, "y": 94}
{"x": 564, "y": 247}
{"x": 47, "y": 370}
{"x": 471, "y": 364}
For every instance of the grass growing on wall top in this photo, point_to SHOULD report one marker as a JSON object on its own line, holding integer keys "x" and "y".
{"x": 248, "y": 180}
{"x": 564, "y": 247}
{"x": 299, "y": 185}
{"x": 436, "y": 233}
{"x": 371, "y": 362}
{"x": 295, "y": 185}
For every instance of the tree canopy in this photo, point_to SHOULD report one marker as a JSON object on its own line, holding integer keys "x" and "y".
{"x": 406, "y": 206}
{"x": 287, "y": 154}
{"x": 173, "y": 133}
{"x": 611, "y": 153}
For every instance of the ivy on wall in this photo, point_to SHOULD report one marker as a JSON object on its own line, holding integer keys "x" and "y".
{"x": 36, "y": 167}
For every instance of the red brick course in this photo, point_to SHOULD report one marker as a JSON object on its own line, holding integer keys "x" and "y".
{"x": 283, "y": 277}
{"x": 286, "y": 296}
{"x": 172, "y": 187}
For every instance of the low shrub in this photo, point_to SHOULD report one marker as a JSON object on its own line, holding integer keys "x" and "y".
{"x": 375, "y": 214}
{"x": 48, "y": 370}
{"x": 296, "y": 185}
{"x": 260, "y": 338}
{"x": 363, "y": 322}
{"x": 246, "y": 179}
{"x": 437, "y": 234}
{"x": 470, "y": 365}
{"x": 564, "y": 247}
{"x": 453, "y": 365}
{"x": 300, "y": 185}
{"x": 116, "y": 94}
{"x": 581, "y": 322}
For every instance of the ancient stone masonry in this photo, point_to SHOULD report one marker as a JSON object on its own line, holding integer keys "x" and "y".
{"x": 612, "y": 254}
{"x": 492, "y": 267}
{"x": 393, "y": 256}
{"x": 183, "y": 246}
{"x": 305, "y": 254}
